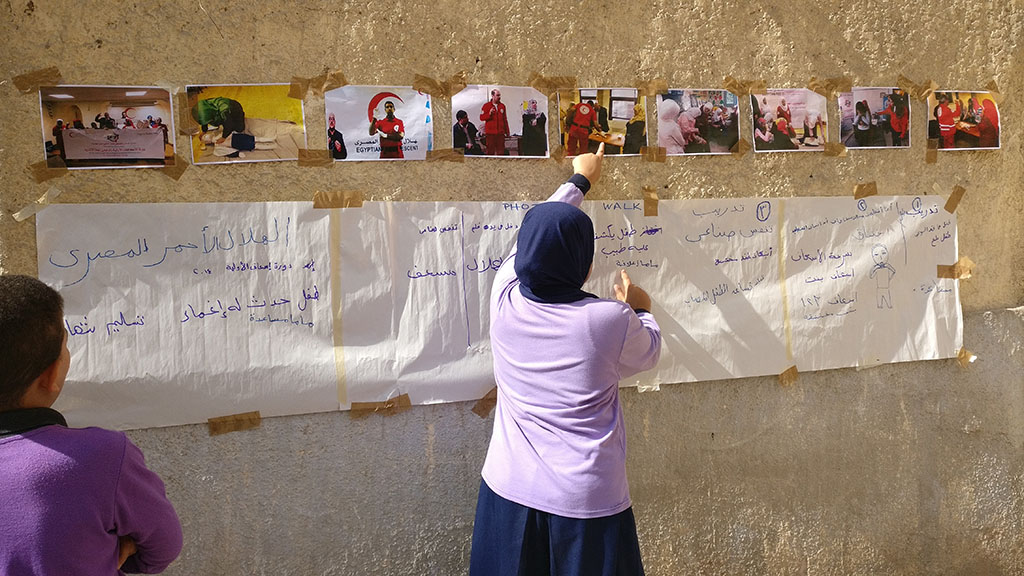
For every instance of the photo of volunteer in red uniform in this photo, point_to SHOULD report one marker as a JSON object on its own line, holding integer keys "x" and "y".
{"x": 391, "y": 131}
{"x": 963, "y": 120}
{"x": 505, "y": 121}
{"x": 378, "y": 123}
{"x": 616, "y": 117}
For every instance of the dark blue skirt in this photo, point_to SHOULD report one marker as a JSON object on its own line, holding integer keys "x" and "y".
{"x": 510, "y": 539}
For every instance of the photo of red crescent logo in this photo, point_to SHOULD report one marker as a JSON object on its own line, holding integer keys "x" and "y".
{"x": 376, "y": 100}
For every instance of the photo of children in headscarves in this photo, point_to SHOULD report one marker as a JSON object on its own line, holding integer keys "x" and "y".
{"x": 506, "y": 121}
{"x": 615, "y": 116}
{"x": 107, "y": 126}
{"x": 789, "y": 120}
{"x": 963, "y": 120}
{"x": 378, "y": 123}
{"x": 874, "y": 118}
{"x": 698, "y": 121}
{"x": 244, "y": 123}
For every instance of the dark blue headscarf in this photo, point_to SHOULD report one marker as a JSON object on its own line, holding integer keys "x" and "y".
{"x": 554, "y": 252}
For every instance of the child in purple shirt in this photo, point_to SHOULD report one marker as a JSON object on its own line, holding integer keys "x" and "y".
{"x": 73, "y": 501}
{"x": 554, "y": 497}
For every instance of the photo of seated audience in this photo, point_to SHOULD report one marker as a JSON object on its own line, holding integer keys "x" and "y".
{"x": 616, "y": 117}
{"x": 507, "y": 121}
{"x": 789, "y": 120}
{"x": 963, "y": 120}
{"x": 106, "y": 126}
{"x": 698, "y": 121}
{"x": 874, "y": 118}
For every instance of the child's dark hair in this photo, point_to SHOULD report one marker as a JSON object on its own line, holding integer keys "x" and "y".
{"x": 31, "y": 334}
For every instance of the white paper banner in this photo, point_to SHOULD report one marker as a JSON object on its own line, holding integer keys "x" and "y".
{"x": 131, "y": 143}
{"x": 182, "y": 312}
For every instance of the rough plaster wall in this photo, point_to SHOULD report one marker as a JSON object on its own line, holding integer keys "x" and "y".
{"x": 903, "y": 469}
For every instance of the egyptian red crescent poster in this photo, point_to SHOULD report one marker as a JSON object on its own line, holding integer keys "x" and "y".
{"x": 378, "y": 123}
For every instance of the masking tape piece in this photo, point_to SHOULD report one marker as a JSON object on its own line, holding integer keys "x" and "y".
{"x": 789, "y": 377}
{"x": 835, "y": 149}
{"x": 234, "y": 423}
{"x": 31, "y": 81}
{"x": 317, "y": 83}
{"x": 427, "y": 85}
{"x": 864, "y": 190}
{"x": 931, "y": 156}
{"x": 743, "y": 87}
{"x": 485, "y": 405}
{"x": 933, "y": 144}
{"x": 965, "y": 357}
{"x": 390, "y": 407}
{"x": 298, "y": 88}
{"x": 41, "y": 172}
{"x": 740, "y": 148}
{"x": 653, "y": 153}
{"x": 962, "y": 270}
{"x": 927, "y": 89}
{"x": 186, "y": 123}
{"x": 455, "y": 84}
{"x": 315, "y": 158}
{"x": 652, "y": 87}
{"x": 557, "y": 153}
{"x": 34, "y": 208}
{"x": 641, "y": 388}
{"x": 335, "y": 80}
{"x": 954, "y": 199}
{"x": 830, "y": 87}
{"x": 550, "y": 84}
{"x": 174, "y": 171}
{"x": 337, "y": 199}
{"x": 446, "y": 154}
{"x": 907, "y": 85}
{"x": 993, "y": 91}
{"x": 650, "y": 201}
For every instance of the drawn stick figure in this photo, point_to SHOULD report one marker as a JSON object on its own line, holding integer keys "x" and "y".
{"x": 882, "y": 273}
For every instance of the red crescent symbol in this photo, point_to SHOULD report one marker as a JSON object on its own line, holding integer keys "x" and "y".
{"x": 376, "y": 100}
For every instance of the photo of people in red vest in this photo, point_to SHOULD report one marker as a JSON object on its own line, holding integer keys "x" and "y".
{"x": 616, "y": 117}
{"x": 505, "y": 121}
{"x": 874, "y": 118}
{"x": 963, "y": 120}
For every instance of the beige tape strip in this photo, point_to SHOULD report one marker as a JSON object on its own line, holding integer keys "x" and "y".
{"x": 993, "y": 91}
{"x": 927, "y": 89}
{"x": 334, "y": 249}
{"x": 789, "y": 377}
{"x": 31, "y": 81}
{"x": 962, "y": 270}
{"x": 186, "y": 124}
{"x": 315, "y": 158}
{"x": 550, "y": 84}
{"x": 744, "y": 87}
{"x": 337, "y": 199}
{"x": 954, "y": 199}
{"x": 653, "y": 153}
{"x": 445, "y": 88}
{"x": 41, "y": 172}
{"x": 830, "y": 87}
{"x": 446, "y": 155}
{"x": 787, "y": 324}
{"x": 651, "y": 87}
{"x": 234, "y": 423}
{"x": 334, "y": 80}
{"x": 835, "y": 149}
{"x": 864, "y": 190}
{"x": 907, "y": 85}
{"x": 557, "y": 153}
{"x": 174, "y": 171}
{"x": 485, "y": 405}
{"x": 35, "y": 207}
{"x": 650, "y": 201}
{"x": 965, "y": 357}
{"x": 298, "y": 88}
{"x": 919, "y": 91}
{"x": 740, "y": 148}
{"x": 390, "y": 407}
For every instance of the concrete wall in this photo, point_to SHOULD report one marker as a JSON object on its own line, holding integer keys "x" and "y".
{"x": 912, "y": 468}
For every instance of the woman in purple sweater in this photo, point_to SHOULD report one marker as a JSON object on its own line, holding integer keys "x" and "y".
{"x": 554, "y": 498}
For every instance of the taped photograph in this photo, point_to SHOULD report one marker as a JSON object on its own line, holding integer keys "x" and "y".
{"x": 963, "y": 120}
{"x": 874, "y": 118}
{"x": 107, "y": 126}
{"x": 378, "y": 123}
{"x": 789, "y": 120}
{"x": 615, "y": 116}
{"x": 507, "y": 121}
{"x": 693, "y": 122}
{"x": 232, "y": 123}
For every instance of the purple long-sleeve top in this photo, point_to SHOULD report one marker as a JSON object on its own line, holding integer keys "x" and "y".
{"x": 559, "y": 440}
{"x": 67, "y": 494}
